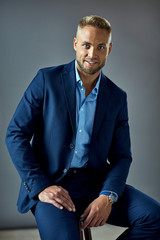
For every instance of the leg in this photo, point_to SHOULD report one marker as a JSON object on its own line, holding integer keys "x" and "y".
{"x": 62, "y": 224}
{"x": 138, "y": 212}
{"x": 56, "y": 224}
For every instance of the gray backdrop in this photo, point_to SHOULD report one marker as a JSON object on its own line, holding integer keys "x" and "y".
{"x": 36, "y": 34}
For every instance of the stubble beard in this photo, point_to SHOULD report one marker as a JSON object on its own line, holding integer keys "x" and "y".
{"x": 90, "y": 72}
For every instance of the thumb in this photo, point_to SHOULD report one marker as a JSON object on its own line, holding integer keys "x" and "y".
{"x": 86, "y": 212}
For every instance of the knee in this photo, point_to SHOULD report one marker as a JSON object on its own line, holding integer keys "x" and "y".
{"x": 155, "y": 217}
{"x": 151, "y": 218}
{"x": 153, "y": 223}
{"x": 153, "y": 213}
{"x": 68, "y": 235}
{"x": 60, "y": 234}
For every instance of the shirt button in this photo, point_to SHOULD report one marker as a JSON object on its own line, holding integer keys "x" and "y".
{"x": 76, "y": 152}
{"x": 71, "y": 145}
{"x": 65, "y": 170}
{"x": 80, "y": 130}
{"x": 108, "y": 162}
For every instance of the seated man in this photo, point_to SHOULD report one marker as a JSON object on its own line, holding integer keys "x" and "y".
{"x": 78, "y": 160}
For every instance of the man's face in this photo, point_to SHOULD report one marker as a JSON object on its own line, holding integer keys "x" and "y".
{"x": 92, "y": 46}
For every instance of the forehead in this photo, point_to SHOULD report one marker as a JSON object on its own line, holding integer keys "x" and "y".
{"x": 92, "y": 34}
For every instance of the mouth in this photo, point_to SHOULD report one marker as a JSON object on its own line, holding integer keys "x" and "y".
{"x": 91, "y": 62}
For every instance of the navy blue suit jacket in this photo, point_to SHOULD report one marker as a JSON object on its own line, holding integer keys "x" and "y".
{"x": 41, "y": 135}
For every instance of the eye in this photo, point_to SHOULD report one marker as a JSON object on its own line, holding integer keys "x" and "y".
{"x": 87, "y": 46}
{"x": 100, "y": 47}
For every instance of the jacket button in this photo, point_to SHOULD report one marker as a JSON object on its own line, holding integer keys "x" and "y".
{"x": 71, "y": 146}
{"x": 65, "y": 170}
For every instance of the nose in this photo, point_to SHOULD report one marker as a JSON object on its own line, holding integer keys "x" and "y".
{"x": 92, "y": 52}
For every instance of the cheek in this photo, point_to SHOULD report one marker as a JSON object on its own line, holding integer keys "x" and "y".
{"x": 82, "y": 53}
{"x": 103, "y": 57}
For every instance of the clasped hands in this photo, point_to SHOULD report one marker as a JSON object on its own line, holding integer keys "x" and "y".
{"x": 96, "y": 214}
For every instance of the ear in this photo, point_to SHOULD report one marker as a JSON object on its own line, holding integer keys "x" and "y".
{"x": 75, "y": 44}
{"x": 110, "y": 48}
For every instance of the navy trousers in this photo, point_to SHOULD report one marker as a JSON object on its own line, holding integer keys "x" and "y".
{"x": 134, "y": 210}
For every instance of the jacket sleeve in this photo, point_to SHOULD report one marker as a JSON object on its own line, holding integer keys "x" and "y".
{"x": 19, "y": 134}
{"x": 119, "y": 156}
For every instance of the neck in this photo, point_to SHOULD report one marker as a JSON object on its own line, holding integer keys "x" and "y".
{"x": 88, "y": 80}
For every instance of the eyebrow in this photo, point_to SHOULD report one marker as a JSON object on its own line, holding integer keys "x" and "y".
{"x": 85, "y": 42}
{"x": 102, "y": 44}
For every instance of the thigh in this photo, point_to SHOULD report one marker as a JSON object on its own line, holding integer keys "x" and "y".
{"x": 135, "y": 208}
{"x": 54, "y": 223}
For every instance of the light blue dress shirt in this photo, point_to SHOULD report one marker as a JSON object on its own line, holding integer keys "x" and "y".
{"x": 85, "y": 113}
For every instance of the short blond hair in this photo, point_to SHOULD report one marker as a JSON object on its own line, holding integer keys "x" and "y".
{"x": 95, "y": 21}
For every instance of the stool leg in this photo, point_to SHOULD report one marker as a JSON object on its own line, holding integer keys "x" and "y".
{"x": 81, "y": 234}
{"x": 87, "y": 234}
{"x": 87, "y": 231}
{"x": 80, "y": 231}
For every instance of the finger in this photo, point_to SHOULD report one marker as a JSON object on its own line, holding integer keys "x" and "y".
{"x": 46, "y": 199}
{"x": 56, "y": 204}
{"x": 102, "y": 223}
{"x": 87, "y": 221}
{"x": 86, "y": 212}
{"x": 97, "y": 224}
{"x": 66, "y": 195}
{"x": 63, "y": 189}
{"x": 62, "y": 201}
{"x": 93, "y": 222}
{"x": 85, "y": 216}
{"x": 61, "y": 196}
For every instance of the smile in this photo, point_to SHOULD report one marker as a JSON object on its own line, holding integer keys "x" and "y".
{"x": 91, "y": 62}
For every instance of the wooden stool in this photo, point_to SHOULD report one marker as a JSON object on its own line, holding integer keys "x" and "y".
{"x": 85, "y": 233}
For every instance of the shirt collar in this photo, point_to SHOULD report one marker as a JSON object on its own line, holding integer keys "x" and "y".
{"x": 78, "y": 79}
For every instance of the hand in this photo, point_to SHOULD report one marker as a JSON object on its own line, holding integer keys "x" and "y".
{"x": 57, "y": 196}
{"x": 97, "y": 213}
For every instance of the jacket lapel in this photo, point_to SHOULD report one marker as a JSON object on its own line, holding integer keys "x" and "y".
{"x": 69, "y": 86}
{"x": 103, "y": 98}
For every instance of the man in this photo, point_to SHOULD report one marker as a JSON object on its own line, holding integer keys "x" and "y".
{"x": 77, "y": 163}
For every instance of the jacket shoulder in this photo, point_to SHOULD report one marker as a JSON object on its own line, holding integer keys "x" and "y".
{"x": 115, "y": 89}
{"x": 57, "y": 69}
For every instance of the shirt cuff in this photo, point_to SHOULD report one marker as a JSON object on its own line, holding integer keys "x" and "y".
{"x": 107, "y": 193}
